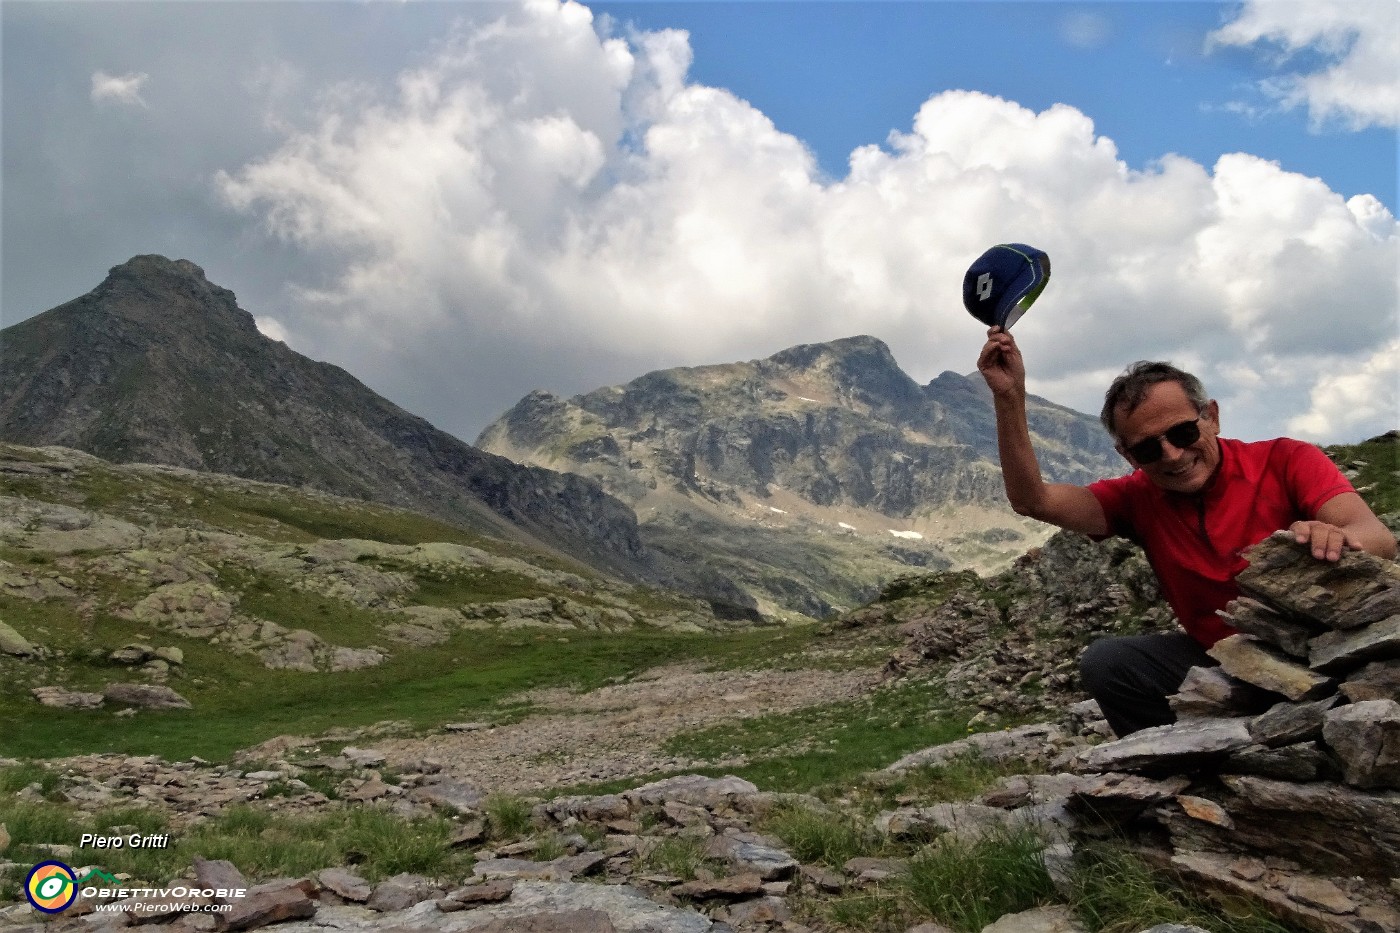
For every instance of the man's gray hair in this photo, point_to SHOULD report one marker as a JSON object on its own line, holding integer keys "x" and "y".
{"x": 1130, "y": 389}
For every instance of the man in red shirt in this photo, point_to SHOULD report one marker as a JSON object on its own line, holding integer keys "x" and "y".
{"x": 1194, "y": 502}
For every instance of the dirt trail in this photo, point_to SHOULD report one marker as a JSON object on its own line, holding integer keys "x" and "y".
{"x": 617, "y": 731}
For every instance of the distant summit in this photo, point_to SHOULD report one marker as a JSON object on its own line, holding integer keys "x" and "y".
{"x": 825, "y": 462}
{"x": 159, "y": 365}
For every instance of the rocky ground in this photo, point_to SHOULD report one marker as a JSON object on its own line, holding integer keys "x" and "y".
{"x": 619, "y": 731}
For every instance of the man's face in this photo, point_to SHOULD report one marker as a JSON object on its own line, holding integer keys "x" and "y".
{"x": 1185, "y": 470}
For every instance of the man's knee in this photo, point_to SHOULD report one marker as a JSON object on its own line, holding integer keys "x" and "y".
{"x": 1103, "y": 663}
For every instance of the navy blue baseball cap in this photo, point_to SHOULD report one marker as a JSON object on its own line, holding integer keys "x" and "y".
{"x": 1001, "y": 285}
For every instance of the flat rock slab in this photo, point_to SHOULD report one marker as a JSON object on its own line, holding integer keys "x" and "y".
{"x": 1340, "y": 652}
{"x": 1118, "y": 798}
{"x": 1058, "y": 919}
{"x": 345, "y": 884}
{"x": 1379, "y": 680}
{"x": 735, "y": 887}
{"x": 1175, "y": 747}
{"x": 1291, "y": 635}
{"x": 453, "y": 795}
{"x": 1018, "y": 744}
{"x": 566, "y": 921}
{"x": 768, "y": 862}
{"x": 1291, "y": 723}
{"x": 1357, "y": 590}
{"x": 1306, "y": 904}
{"x": 1331, "y": 827}
{"x": 694, "y": 789}
{"x": 261, "y": 909}
{"x": 1250, "y": 660}
{"x": 146, "y": 696}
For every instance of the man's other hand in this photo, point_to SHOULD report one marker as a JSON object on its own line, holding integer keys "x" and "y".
{"x": 1327, "y": 541}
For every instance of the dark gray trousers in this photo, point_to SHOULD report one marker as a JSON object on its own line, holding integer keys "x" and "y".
{"x": 1132, "y": 677}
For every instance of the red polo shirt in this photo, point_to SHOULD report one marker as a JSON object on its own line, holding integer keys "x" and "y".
{"x": 1194, "y": 542}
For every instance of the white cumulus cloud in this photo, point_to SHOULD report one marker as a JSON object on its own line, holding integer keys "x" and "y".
{"x": 1355, "y": 400}
{"x": 1359, "y": 40}
{"x": 119, "y": 89}
{"x": 541, "y": 204}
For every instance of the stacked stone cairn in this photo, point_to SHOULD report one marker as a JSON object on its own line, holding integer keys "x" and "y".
{"x": 1286, "y": 756}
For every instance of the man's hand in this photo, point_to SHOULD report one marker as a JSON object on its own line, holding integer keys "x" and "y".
{"x": 1000, "y": 363}
{"x": 1327, "y": 541}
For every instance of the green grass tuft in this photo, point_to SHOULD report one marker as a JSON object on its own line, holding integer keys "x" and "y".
{"x": 967, "y": 884}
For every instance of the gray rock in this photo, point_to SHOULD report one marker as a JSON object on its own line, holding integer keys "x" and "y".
{"x": 558, "y": 921}
{"x": 132, "y": 654}
{"x": 516, "y": 868}
{"x": 1019, "y": 744}
{"x": 1357, "y": 590}
{"x": 1301, "y": 762}
{"x": 1366, "y": 738}
{"x": 1328, "y": 827}
{"x": 768, "y": 862}
{"x": 1291, "y": 723}
{"x": 402, "y": 891}
{"x": 757, "y": 913}
{"x": 694, "y": 789}
{"x": 1173, "y": 747}
{"x": 627, "y": 909}
{"x": 146, "y": 696}
{"x": 1379, "y": 680}
{"x": 345, "y": 884}
{"x": 735, "y": 887}
{"x": 1290, "y": 635}
{"x": 487, "y": 892}
{"x": 261, "y": 908}
{"x": 579, "y": 866}
{"x": 66, "y": 699}
{"x": 15, "y": 644}
{"x": 218, "y": 874}
{"x": 1120, "y": 798}
{"x": 1345, "y": 651}
{"x": 1057, "y": 919}
{"x": 1211, "y": 692}
{"x": 450, "y": 794}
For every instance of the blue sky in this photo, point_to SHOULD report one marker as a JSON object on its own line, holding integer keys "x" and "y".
{"x": 463, "y": 202}
{"x": 839, "y": 75}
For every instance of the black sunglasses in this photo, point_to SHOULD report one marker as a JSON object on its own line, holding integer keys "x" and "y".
{"x": 1183, "y": 435}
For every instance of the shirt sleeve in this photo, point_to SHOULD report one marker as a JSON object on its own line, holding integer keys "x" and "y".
{"x": 1312, "y": 478}
{"x": 1115, "y": 498}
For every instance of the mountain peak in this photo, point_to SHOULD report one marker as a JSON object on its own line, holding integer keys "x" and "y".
{"x": 861, "y": 365}
{"x": 862, "y": 349}
{"x": 153, "y": 291}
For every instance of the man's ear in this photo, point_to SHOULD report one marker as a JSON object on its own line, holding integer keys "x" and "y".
{"x": 1212, "y": 414}
{"x": 1122, "y": 451}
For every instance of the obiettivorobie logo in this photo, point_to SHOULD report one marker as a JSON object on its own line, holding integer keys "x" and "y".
{"x": 52, "y": 887}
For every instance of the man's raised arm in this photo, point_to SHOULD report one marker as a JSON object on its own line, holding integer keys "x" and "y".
{"x": 1072, "y": 507}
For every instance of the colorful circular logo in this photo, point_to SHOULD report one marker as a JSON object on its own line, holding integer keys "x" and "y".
{"x": 51, "y": 887}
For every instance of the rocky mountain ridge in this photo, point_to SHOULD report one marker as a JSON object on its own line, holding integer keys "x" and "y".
{"x": 827, "y": 459}
{"x": 159, "y": 365}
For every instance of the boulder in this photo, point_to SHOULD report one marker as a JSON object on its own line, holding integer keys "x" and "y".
{"x": 15, "y": 644}
{"x": 146, "y": 696}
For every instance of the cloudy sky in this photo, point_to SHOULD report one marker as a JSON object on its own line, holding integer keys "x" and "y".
{"x": 461, "y": 202}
